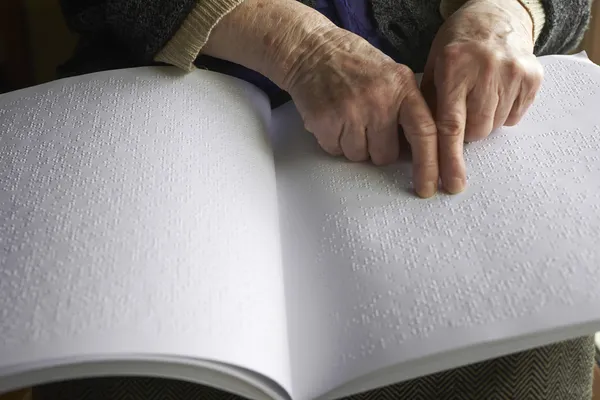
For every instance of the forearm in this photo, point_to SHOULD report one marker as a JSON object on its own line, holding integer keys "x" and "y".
{"x": 267, "y": 36}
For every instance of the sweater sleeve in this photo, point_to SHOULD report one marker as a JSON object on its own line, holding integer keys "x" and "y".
{"x": 171, "y": 30}
{"x": 183, "y": 48}
{"x": 566, "y": 23}
{"x": 559, "y": 25}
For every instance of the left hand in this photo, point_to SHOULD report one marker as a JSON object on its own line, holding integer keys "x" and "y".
{"x": 481, "y": 74}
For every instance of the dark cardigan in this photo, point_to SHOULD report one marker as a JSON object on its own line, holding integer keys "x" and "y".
{"x": 127, "y": 33}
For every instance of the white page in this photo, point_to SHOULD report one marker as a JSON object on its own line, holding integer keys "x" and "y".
{"x": 138, "y": 215}
{"x": 376, "y": 276}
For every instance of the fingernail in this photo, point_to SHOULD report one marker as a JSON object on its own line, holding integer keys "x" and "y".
{"x": 455, "y": 185}
{"x": 428, "y": 189}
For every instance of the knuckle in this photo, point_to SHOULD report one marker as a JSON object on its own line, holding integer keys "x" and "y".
{"x": 452, "y": 53}
{"x": 404, "y": 71}
{"x": 449, "y": 127}
{"x": 535, "y": 78}
{"x": 514, "y": 69}
{"x": 426, "y": 129}
{"x": 490, "y": 60}
{"x": 422, "y": 130}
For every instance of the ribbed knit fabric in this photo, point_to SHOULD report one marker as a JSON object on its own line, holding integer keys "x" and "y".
{"x": 183, "y": 48}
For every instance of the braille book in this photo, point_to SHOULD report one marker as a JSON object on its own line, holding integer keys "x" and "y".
{"x": 165, "y": 224}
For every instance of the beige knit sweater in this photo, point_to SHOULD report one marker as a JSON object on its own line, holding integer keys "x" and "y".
{"x": 186, "y": 44}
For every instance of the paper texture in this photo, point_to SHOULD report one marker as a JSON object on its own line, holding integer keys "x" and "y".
{"x": 376, "y": 276}
{"x": 138, "y": 215}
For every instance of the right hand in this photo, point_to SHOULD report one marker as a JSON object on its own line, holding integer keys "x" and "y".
{"x": 353, "y": 98}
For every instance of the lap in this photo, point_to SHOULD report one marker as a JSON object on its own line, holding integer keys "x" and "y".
{"x": 561, "y": 371}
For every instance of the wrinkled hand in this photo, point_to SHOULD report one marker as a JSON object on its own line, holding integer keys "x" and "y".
{"x": 353, "y": 98}
{"x": 481, "y": 74}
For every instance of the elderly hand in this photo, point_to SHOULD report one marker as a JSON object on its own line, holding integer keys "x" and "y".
{"x": 481, "y": 74}
{"x": 352, "y": 97}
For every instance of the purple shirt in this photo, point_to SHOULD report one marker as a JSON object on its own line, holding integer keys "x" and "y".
{"x": 352, "y": 15}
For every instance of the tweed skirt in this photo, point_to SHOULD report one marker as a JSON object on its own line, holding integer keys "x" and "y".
{"x": 561, "y": 371}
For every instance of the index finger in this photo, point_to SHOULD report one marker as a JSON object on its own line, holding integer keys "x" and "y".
{"x": 421, "y": 133}
{"x": 451, "y": 117}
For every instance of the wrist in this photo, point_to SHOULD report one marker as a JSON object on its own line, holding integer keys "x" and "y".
{"x": 537, "y": 15}
{"x": 295, "y": 47}
{"x": 268, "y": 36}
{"x": 523, "y": 16}
{"x": 520, "y": 17}
{"x": 510, "y": 17}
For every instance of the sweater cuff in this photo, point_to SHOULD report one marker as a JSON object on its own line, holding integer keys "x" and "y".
{"x": 538, "y": 16}
{"x": 185, "y": 46}
{"x": 533, "y": 7}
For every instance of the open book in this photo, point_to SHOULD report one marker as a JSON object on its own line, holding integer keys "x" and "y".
{"x": 160, "y": 224}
